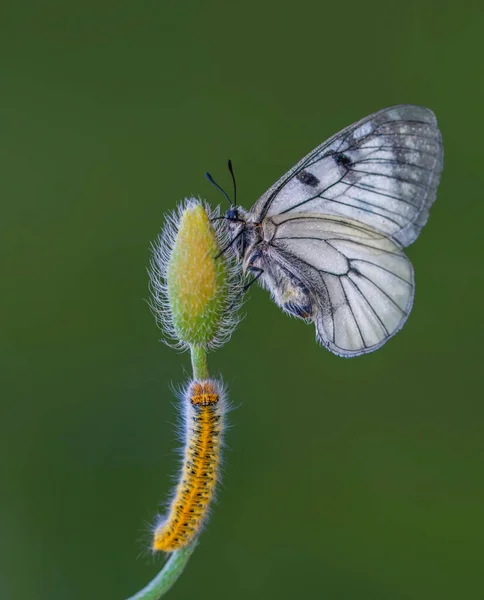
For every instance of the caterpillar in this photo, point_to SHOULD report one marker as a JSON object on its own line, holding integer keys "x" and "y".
{"x": 204, "y": 407}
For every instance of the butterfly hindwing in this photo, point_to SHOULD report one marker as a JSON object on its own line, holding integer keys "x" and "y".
{"x": 361, "y": 281}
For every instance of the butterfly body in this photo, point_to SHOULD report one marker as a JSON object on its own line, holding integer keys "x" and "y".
{"x": 327, "y": 239}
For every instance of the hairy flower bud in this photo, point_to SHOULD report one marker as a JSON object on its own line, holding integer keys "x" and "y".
{"x": 195, "y": 294}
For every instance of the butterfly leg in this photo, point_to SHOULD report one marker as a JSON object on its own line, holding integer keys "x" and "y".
{"x": 231, "y": 243}
{"x": 258, "y": 272}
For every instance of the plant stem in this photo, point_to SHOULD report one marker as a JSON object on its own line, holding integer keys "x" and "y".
{"x": 167, "y": 576}
{"x": 199, "y": 362}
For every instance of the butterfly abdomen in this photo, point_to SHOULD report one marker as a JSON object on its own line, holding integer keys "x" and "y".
{"x": 294, "y": 297}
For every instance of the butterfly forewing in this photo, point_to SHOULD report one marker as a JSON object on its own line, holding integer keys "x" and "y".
{"x": 361, "y": 281}
{"x": 382, "y": 171}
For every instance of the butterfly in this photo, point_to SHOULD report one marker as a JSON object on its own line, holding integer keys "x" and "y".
{"x": 327, "y": 239}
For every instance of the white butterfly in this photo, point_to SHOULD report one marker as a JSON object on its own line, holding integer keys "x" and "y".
{"x": 326, "y": 239}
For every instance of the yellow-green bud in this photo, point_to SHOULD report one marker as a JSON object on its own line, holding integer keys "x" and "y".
{"x": 194, "y": 292}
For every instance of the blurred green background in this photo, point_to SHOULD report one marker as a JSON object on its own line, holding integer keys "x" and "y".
{"x": 345, "y": 479}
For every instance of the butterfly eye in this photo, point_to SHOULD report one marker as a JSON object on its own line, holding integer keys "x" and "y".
{"x": 232, "y": 214}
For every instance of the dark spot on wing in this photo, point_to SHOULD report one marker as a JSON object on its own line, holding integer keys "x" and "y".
{"x": 307, "y": 178}
{"x": 342, "y": 159}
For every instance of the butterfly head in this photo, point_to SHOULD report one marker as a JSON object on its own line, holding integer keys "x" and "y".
{"x": 235, "y": 217}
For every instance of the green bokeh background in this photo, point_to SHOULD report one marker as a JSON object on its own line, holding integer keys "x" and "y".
{"x": 344, "y": 479}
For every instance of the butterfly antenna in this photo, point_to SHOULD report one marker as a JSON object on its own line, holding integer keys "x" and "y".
{"x": 231, "y": 169}
{"x": 210, "y": 178}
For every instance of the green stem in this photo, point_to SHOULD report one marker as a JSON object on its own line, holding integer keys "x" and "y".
{"x": 167, "y": 576}
{"x": 199, "y": 362}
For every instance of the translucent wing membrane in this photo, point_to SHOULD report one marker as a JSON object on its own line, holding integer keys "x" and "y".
{"x": 361, "y": 281}
{"x": 382, "y": 171}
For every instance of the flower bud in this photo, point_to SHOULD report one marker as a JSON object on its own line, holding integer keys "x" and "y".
{"x": 195, "y": 294}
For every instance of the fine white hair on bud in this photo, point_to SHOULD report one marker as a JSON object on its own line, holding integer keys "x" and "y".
{"x": 196, "y": 293}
